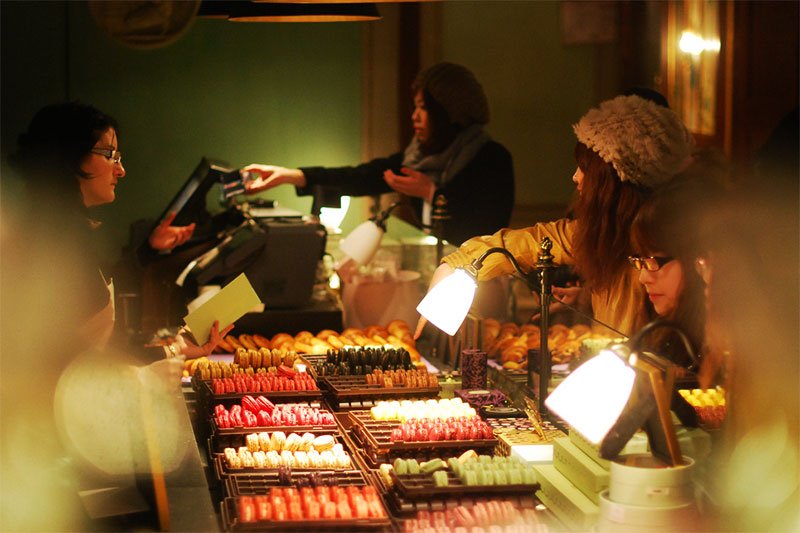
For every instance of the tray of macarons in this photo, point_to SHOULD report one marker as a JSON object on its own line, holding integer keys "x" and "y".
{"x": 413, "y": 425}
{"x": 468, "y": 474}
{"x": 255, "y": 484}
{"x": 266, "y": 452}
{"x": 365, "y": 391}
{"x": 321, "y": 508}
{"x": 260, "y": 414}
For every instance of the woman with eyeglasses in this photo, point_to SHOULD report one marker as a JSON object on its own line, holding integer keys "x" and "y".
{"x": 67, "y": 388}
{"x": 625, "y": 148}
{"x": 666, "y": 249}
{"x": 70, "y": 160}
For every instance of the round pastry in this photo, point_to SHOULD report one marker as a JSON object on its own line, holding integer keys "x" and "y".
{"x": 337, "y": 449}
{"x": 234, "y": 462}
{"x": 327, "y": 459}
{"x": 440, "y": 478}
{"x": 229, "y": 452}
{"x": 400, "y": 466}
{"x": 247, "y": 461}
{"x": 253, "y": 444}
{"x": 293, "y": 442}
{"x": 301, "y": 460}
{"x": 260, "y": 459}
{"x": 287, "y": 458}
{"x": 264, "y": 441}
{"x": 313, "y": 458}
{"x": 278, "y": 441}
{"x": 273, "y": 459}
{"x": 323, "y": 443}
{"x": 342, "y": 461}
{"x": 307, "y": 440}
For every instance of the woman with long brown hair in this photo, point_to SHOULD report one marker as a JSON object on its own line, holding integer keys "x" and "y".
{"x": 626, "y": 147}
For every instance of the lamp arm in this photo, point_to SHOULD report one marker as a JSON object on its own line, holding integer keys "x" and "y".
{"x": 381, "y": 217}
{"x": 636, "y": 340}
{"x": 477, "y": 264}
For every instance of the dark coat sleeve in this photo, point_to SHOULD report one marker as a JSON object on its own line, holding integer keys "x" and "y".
{"x": 479, "y": 198}
{"x": 365, "y": 179}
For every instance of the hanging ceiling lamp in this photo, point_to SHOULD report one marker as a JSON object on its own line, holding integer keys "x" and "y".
{"x": 242, "y": 11}
{"x": 336, "y": 1}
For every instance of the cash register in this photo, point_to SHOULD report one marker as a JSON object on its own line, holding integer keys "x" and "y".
{"x": 278, "y": 249}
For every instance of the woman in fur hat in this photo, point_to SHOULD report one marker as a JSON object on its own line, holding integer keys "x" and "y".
{"x": 625, "y": 148}
{"x": 451, "y": 154}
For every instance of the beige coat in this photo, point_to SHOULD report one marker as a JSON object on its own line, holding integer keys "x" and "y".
{"x": 622, "y": 307}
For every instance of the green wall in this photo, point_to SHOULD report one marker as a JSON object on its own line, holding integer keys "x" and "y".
{"x": 537, "y": 86}
{"x": 287, "y": 94}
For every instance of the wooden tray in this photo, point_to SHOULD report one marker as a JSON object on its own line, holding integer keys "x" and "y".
{"x": 223, "y": 472}
{"x": 203, "y": 388}
{"x": 230, "y": 522}
{"x": 421, "y": 486}
{"x": 257, "y": 484}
{"x": 354, "y": 392}
{"x": 375, "y": 438}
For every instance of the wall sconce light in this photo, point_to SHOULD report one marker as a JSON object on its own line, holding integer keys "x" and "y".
{"x": 362, "y": 243}
{"x": 617, "y": 392}
{"x": 694, "y": 44}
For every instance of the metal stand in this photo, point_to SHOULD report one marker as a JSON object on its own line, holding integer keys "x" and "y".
{"x": 438, "y": 216}
{"x": 543, "y": 269}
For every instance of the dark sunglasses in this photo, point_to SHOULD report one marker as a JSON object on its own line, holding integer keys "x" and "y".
{"x": 651, "y": 263}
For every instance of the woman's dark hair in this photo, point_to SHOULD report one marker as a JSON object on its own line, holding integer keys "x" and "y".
{"x": 443, "y": 130}
{"x": 58, "y": 138}
{"x": 604, "y": 211}
{"x": 667, "y": 224}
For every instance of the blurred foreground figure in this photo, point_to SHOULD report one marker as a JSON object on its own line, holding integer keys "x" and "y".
{"x": 74, "y": 412}
{"x": 750, "y": 267}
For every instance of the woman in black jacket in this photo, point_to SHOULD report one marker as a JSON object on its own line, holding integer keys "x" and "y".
{"x": 450, "y": 154}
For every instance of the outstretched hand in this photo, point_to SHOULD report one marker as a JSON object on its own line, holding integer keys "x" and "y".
{"x": 166, "y": 237}
{"x": 411, "y": 183}
{"x": 193, "y": 351}
{"x": 563, "y": 297}
{"x": 269, "y": 176}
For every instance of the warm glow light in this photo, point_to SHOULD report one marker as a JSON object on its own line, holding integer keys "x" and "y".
{"x": 694, "y": 44}
{"x": 448, "y": 302}
{"x": 363, "y": 242}
{"x": 331, "y": 217}
{"x": 593, "y": 396}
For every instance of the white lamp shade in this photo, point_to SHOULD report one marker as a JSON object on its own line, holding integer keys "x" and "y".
{"x": 593, "y": 396}
{"x": 448, "y": 302}
{"x": 363, "y": 242}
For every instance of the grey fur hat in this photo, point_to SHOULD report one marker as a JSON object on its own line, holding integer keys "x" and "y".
{"x": 456, "y": 89}
{"x": 646, "y": 143}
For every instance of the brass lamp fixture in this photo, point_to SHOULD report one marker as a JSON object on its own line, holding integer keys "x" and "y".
{"x": 620, "y": 390}
{"x": 362, "y": 243}
{"x": 446, "y": 305}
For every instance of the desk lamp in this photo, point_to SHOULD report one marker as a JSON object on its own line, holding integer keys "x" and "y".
{"x": 608, "y": 398}
{"x": 446, "y": 305}
{"x": 362, "y": 243}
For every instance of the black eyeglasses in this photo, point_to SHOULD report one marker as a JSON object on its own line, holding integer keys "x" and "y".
{"x": 651, "y": 263}
{"x": 114, "y": 155}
